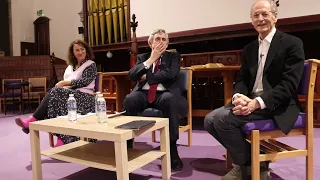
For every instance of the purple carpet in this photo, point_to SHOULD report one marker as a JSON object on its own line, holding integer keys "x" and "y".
{"x": 204, "y": 160}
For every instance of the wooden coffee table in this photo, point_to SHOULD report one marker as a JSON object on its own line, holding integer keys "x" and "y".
{"x": 101, "y": 155}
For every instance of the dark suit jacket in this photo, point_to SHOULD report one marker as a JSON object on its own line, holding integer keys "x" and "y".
{"x": 168, "y": 74}
{"x": 281, "y": 76}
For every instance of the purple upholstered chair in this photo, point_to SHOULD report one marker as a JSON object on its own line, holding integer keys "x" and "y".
{"x": 262, "y": 133}
{"x": 10, "y": 93}
{"x": 98, "y": 82}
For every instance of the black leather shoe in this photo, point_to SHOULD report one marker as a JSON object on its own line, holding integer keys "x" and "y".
{"x": 176, "y": 164}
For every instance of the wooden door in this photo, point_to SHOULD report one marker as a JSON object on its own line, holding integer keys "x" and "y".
{"x": 4, "y": 28}
{"x": 42, "y": 36}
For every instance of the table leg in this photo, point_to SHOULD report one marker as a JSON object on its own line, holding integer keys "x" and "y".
{"x": 121, "y": 154}
{"x": 35, "y": 155}
{"x": 123, "y": 88}
{"x": 164, "y": 147}
{"x": 228, "y": 79}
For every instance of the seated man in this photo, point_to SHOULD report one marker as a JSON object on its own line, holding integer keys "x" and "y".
{"x": 157, "y": 74}
{"x": 266, "y": 88}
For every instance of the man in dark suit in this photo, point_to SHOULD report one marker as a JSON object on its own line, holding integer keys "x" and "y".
{"x": 265, "y": 88}
{"x": 157, "y": 74}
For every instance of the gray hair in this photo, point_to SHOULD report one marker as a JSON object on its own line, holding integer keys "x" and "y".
{"x": 273, "y": 5}
{"x": 157, "y": 31}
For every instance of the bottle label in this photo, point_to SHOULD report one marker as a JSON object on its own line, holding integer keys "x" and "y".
{"x": 101, "y": 107}
{"x": 72, "y": 106}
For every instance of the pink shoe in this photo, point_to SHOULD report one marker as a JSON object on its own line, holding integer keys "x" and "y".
{"x": 59, "y": 142}
{"x": 25, "y": 123}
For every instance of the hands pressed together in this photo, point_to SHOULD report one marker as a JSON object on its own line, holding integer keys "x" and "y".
{"x": 243, "y": 106}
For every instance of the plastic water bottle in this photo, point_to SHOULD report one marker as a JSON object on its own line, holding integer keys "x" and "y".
{"x": 97, "y": 95}
{"x": 101, "y": 109}
{"x": 72, "y": 108}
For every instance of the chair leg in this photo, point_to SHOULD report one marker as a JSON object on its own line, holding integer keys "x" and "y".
{"x": 153, "y": 136}
{"x": 5, "y": 106}
{"x": 309, "y": 167}
{"x": 51, "y": 140}
{"x": 255, "y": 152}
{"x": 309, "y": 158}
{"x": 190, "y": 137}
{"x": 228, "y": 160}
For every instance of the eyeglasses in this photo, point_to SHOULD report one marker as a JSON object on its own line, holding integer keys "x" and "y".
{"x": 265, "y": 15}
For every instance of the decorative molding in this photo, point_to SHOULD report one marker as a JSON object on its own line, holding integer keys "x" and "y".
{"x": 301, "y": 23}
{"x": 293, "y": 24}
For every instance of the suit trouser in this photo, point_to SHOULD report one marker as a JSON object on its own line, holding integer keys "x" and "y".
{"x": 137, "y": 102}
{"x": 225, "y": 127}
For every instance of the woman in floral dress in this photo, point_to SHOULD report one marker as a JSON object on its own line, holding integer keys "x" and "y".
{"x": 79, "y": 79}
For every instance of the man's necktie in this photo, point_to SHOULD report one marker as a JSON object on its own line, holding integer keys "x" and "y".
{"x": 153, "y": 87}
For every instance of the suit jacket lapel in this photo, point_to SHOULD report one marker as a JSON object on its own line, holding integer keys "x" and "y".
{"x": 164, "y": 60}
{"x": 274, "y": 46}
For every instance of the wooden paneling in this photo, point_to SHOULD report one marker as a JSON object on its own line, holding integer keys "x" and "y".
{"x": 223, "y": 57}
{"x": 13, "y": 67}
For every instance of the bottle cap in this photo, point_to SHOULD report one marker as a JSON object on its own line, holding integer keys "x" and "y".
{"x": 71, "y": 95}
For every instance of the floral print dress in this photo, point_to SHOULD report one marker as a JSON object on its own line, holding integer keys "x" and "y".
{"x": 57, "y": 105}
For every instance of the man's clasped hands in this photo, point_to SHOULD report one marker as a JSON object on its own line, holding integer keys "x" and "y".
{"x": 243, "y": 105}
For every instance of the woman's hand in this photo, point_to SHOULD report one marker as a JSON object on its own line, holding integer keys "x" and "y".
{"x": 60, "y": 84}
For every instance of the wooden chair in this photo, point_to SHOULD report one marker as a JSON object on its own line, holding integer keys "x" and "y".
{"x": 262, "y": 133}
{"x": 37, "y": 89}
{"x": 7, "y": 94}
{"x": 108, "y": 89}
{"x": 186, "y": 87}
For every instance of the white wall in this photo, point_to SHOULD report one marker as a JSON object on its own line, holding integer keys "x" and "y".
{"x": 22, "y": 23}
{"x": 180, "y": 15}
{"x": 64, "y": 23}
{"x": 172, "y": 15}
